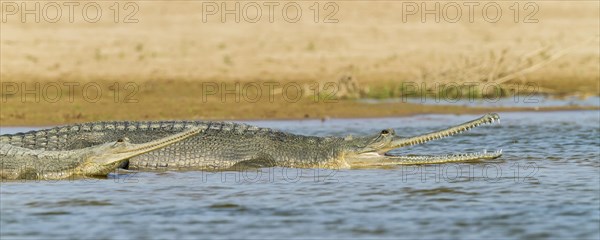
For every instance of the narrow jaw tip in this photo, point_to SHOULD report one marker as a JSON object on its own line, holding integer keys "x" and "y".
{"x": 487, "y": 119}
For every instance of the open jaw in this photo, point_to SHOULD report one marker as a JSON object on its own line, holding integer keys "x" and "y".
{"x": 384, "y": 158}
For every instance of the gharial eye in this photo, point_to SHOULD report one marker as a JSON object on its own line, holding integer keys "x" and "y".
{"x": 120, "y": 140}
{"x": 385, "y": 131}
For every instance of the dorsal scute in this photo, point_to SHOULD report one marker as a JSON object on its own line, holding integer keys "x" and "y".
{"x": 47, "y": 137}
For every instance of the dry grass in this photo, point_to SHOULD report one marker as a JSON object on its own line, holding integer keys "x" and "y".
{"x": 371, "y": 43}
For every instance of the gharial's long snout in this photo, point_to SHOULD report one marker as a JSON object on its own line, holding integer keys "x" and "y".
{"x": 402, "y": 142}
{"x": 381, "y": 157}
{"x": 132, "y": 150}
{"x": 111, "y": 155}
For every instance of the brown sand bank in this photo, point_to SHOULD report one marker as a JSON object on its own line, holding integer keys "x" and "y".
{"x": 173, "y": 47}
{"x": 191, "y": 100}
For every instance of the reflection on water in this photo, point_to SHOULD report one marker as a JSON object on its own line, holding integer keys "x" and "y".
{"x": 535, "y": 101}
{"x": 545, "y": 185}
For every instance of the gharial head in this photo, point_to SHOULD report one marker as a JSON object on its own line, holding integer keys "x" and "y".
{"x": 372, "y": 150}
{"x": 102, "y": 159}
{"x": 370, "y": 144}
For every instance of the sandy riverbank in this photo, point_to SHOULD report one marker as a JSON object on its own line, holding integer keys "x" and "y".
{"x": 179, "y": 100}
{"x": 171, "y": 51}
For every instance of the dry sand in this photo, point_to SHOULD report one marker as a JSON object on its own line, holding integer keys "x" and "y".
{"x": 171, "y": 54}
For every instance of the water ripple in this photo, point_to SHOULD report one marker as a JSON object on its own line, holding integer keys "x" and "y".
{"x": 546, "y": 185}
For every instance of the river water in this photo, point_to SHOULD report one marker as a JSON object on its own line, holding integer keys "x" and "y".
{"x": 546, "y": 185}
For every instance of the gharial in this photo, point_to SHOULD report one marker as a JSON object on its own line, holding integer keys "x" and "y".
{"x": 22, "y": 163}
{"x": 224, "y": 146}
